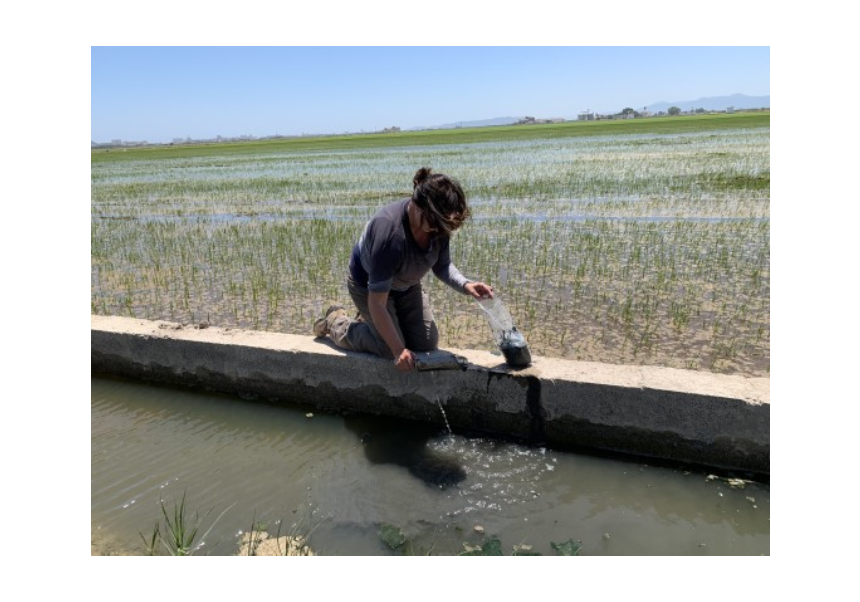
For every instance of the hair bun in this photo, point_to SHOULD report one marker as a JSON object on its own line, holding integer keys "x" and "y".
{"x": 421, "y": 176}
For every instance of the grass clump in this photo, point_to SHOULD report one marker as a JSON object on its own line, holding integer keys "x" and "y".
{"x": 179, "y": 534}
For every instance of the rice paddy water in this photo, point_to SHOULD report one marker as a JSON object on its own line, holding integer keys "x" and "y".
{"x": 639, "y": 248}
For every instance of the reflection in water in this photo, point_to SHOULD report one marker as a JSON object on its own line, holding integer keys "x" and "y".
{"x": 388, "y": 441}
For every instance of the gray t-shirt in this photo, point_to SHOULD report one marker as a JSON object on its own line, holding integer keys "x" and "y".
{"x": 387, "y": 257}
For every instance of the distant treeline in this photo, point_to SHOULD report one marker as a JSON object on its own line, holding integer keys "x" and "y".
{"x": 569, "y": 129}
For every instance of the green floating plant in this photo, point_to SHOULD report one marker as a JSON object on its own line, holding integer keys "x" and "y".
{"x": 492, "y": 547}
{"x": 392, "y": 536}
{"x": 567, "y": 548}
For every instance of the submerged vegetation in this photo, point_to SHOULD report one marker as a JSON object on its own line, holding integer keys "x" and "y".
{"x": 398, "y": 542}
{"x": 615, "y": 244}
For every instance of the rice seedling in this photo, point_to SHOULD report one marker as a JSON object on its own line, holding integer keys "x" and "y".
{"x": 617, "y": 245}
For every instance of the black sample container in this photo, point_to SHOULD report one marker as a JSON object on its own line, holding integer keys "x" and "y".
{"x": 515, "y": 349}
{"x": 510, "y": 341}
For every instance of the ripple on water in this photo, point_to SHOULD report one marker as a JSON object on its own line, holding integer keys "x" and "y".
{"x": 345, "y": 477}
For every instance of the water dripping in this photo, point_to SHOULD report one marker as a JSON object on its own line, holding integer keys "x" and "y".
{"x": 444, "y": 416}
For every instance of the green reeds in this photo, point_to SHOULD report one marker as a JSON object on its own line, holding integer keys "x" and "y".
{"x": 178, "y": 535}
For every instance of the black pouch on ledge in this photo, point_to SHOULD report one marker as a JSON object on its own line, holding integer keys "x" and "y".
{"x": 515, "y": 349}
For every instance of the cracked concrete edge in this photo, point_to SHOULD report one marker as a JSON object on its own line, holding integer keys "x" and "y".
{"x": 679, "y": 415}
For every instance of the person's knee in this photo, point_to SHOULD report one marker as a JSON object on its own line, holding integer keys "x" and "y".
{"x": 339, "y": 333}
{"x": 363, "y": 337}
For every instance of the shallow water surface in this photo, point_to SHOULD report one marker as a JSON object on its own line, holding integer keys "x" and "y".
{"x": 343, "y": 479}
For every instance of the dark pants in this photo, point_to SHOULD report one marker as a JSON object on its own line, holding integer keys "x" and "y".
{"x": 409, "y": 310}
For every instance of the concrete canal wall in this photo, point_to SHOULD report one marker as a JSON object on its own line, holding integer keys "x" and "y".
{"x": 722, "y": 421}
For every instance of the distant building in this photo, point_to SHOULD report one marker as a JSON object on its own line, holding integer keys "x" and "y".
{"x": 586, "y": 116}
{"x": 534, "y": 121}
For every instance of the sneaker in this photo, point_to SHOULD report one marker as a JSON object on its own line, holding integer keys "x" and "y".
{"x": 322, "y": 326}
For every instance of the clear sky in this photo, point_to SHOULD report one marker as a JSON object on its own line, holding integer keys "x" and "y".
{"x": 161, "y": 93}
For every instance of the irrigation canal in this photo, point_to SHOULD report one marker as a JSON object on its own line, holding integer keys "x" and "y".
{"x": 347, "y": 478}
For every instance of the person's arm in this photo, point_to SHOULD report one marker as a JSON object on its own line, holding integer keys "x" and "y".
{"x": 404, "y": 360}
{"x": 448, "y": 273}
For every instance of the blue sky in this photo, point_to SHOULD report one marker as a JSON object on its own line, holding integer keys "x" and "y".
{"x": 161, "y": 93}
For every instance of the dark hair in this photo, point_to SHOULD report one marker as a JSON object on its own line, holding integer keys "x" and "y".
{"x": 441, "y": 199}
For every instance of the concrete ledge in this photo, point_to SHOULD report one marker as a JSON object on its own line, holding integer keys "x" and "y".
{"x": 679, "y": 415}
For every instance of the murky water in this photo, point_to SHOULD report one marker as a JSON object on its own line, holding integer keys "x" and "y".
{"x": 343, "y": 479}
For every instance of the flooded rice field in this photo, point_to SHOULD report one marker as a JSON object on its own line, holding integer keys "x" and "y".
{"x": 372, "y": 486}
{"x": 629, "y": 249}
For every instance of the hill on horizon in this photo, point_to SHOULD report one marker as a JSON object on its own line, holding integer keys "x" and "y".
{"x": 715, "y": 103}
{"x": 471, "y": 124}
{"x": 712, "y": 103}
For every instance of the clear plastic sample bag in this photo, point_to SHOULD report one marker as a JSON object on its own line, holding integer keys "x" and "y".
{"x": 511, "y": 342}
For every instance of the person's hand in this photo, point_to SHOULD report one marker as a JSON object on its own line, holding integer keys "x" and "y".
{"x": 405, "y": 362}
{"x": 479, "y": 290}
